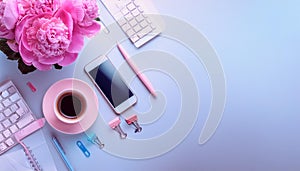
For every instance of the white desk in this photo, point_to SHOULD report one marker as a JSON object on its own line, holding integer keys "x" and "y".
{"x": 258, "y": 46}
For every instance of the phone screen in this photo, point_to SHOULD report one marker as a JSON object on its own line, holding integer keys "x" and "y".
{"x": 110, "y": 82}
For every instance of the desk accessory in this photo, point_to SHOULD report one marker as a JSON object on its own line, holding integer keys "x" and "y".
{"x": 60, "y": 150}
{"x": 93, "y": 138}
{"x": 84, "y": 150}
{"x": 90, "y": 114}
{"x": 31, "y": 86}
{"x": 14, "y": 115}
{"x": 132, "y": 17}
{"x": 16, "y": 160}
{"x": 139, "y": 74}
{"x": 110, "y": 84}
{"x": 133, "y": 120}
{"x": 34, "y": 126}
{"x": 115, "y": 125}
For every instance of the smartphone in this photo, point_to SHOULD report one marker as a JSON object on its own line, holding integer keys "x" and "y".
{"x": 110, "y": 84}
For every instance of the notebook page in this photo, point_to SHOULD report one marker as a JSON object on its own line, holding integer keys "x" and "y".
{"x": 16, "y": 160}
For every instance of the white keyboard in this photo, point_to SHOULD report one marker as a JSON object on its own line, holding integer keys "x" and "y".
{"x": 14, "y": 115}
{"x": 136, "y": 19}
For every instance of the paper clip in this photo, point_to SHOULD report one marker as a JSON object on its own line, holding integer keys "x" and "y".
{"x": 83, "y": 149}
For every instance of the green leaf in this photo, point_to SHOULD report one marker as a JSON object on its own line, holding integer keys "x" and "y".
{"x": 56, "y": 66}
{"x": 11, "y": 55}
{"x": 25, "y": 69}
{"x": 97, "y": 19}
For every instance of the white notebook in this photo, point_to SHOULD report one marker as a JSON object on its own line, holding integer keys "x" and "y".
{"x": 16, "y": 160}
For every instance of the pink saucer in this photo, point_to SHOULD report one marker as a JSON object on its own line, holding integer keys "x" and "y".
{"x": 90, "y": 114}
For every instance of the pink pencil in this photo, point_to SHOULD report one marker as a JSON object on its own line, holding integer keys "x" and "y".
{"x": 140, "y": 75}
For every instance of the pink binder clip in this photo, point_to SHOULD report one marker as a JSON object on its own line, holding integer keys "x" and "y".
{"x": 115, "y": 125}
{"x": 133, "y": 121}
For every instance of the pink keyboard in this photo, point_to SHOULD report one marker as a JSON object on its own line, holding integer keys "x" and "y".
{"x": 14, "y": 115}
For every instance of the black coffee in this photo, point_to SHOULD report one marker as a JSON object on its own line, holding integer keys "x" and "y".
{"x": 70, "y": 105}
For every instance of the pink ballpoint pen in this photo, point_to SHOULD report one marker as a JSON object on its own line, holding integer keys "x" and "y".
{"x": 140, "y": 75}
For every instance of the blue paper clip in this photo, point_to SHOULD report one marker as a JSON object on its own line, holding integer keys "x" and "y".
{"x": 83, "y": 149}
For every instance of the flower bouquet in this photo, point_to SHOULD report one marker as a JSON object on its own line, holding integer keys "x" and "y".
{"x": 42, "y": 34}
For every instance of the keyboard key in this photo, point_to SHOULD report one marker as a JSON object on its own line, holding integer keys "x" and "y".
{"x": 135, "y": 12}
{"x": 6, "y": 123}
{"x": 137, "y": 28}
{"x": 14, "y": 118}
{"x": 144, "y": 24}
{"x": 14, "y": 97}
{"x": 9, "y": 142}
{"x": 1, "y": 127}
{"x": 131, "y": 6}
{"x": 1, "y": 107}
{"x": 2, "y": 116}
{"x": 134, "y": 38}
{"x": 122, "y": 21}
{"x": 144, "y": 32}
{"x": 140, "y": 18}
{"x": 14, "y": 107}
{"x": 6, "y": 133}
{"x": 133, "y": 22}
{"x": 25, "y": 121}
{"x": 20, "y": 111}
{"x": 126, "y": 27}
{"x": 3, "y": 146}
{"x": 6, "y": 102}
{"x": 124, "y": 11}
{"x": 130, "y": 32}
{"x": 1, "y": 138}
{"x": 23, "y": 106}
{"x": 5, "y": 94}
{"x": 11, "y": 90}
{"x": 7, "y": 112}
{"x": 152, "y": 27}
{"x": 13, "y": 129}
{"x": 129, "y": 17}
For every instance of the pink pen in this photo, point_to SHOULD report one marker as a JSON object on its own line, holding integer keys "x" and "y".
{"x": 140, "y": 75}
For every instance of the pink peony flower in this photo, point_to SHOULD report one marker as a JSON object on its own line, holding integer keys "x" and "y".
{"x": 88, "y": 25}
{"x": 47, "y": 32}
{"x": 84, "y": 13}
{"x": 18, "y": 9}
{"x": 4, "y": 31}
{"x": 45, "y": 40}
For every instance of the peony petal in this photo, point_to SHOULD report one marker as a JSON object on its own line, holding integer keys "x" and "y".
{"x": 66, "y": 19}
{"x": 27, "y": 56}
{"x": 74, "y": 8}
{"x": 91, "y": 30}
{"x": 6, "y": 34}
{"x": 68, "y": 59}
{"x": 20, "y": 28}
{"x": 51, "y": 60}
{"x": 10, "y": 16}
{"x": 13, "y": 45}
{"x": 77, "y": 42}
{"x": 42, "y": 67}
